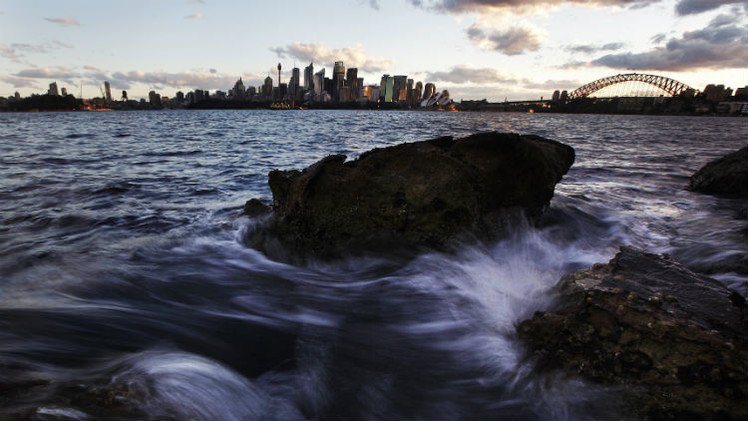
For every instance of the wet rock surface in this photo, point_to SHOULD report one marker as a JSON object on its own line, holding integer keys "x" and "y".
{"x": 422, "y": 193}
{"x": 673, "y": 341}
{"x": 726, "y": 176}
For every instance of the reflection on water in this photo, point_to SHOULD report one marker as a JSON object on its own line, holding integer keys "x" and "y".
{"x": 128, "y": 291}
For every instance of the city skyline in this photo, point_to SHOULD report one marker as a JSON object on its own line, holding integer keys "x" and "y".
{"x": 475, "y": 49}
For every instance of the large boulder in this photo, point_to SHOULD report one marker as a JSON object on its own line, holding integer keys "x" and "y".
{"x": 421, "y": 193}
{"x": 674, "y": 342}
{"x": 724, "y": 176}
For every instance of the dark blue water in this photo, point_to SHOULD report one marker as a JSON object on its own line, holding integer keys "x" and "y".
{"x": 126, "y": 289}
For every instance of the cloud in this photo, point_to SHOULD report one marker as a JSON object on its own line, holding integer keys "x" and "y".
{"x": 352, "y": 56}
{"x": 553, "y": 84}
{"x": 462, "y": 74}
{"x": 692, "y": 7}
{"x": 91, "y": 75}
{"x": 17, "y": 51}
{"x": 659, "y": 38}
{"x": 64, "y": 21}
{"x": 511, "y": 41}
{"x": 19, "y": 82}
{"x": 58, "y": 72}
{"x": 460, "y": 6}
{"x": 195, "y": 16}
{"x": 719, "y": 45}
{"x": 590, "y": 48}
{"x": 187, "y": 80}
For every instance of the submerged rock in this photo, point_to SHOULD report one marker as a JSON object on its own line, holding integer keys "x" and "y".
{"x": 672, "y": 340}
{"x": 421, "y": 193}
{"x": 724, "y": 176}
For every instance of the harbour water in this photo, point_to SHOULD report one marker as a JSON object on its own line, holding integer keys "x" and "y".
{"x": 127, "y": 290}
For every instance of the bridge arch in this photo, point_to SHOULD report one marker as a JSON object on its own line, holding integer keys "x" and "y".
{"x": 671, "y": 86}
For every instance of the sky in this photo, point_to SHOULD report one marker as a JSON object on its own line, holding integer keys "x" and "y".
{"x": 492, "y": 49}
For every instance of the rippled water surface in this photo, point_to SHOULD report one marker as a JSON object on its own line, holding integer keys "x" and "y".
{"x": 126, "y": 289}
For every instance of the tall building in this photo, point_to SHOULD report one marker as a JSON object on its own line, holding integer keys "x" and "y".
{"x": 267, "y": 88}
{"x": 418, "y": 93}
{"x": 279, "y": 74}
{"x": 17, "y": 95}
{"x": 386, "y": 87}
{"x": 124, "y": 95}
{"x": 107, "y": 91}
{"x": 351, "y": 80}
{"x": 180, "y": 96}
{"x": 238, "y": 90}
{"x": 294, "y": 84}
{"x": 309, "y": 77}
{"x": 338, "y": 80}
{"x": 556, "y": 95}
{"x": 154, "y": 99}
{"x": 399, "y": 91}
{"x": 319, "y": 83}
{"x": 409, "y": 91}
{"x": 429, "y": 91}
{"x": 64, "y": 92}
{"x": 53, "y": 89}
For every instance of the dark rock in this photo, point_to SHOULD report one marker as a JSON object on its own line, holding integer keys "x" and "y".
{"x": 254, "y": 208}
{"x": 672, "y": 340}
{"x": 724, "y": 176}
{"x": 414, "y": 194}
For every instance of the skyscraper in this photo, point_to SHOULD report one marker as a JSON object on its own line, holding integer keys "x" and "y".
{"x": 64, "y": 92}
{"x": 399, "y": 90}
{"x": 319, "y": 83}
{"x": 309, "y": 77}
{"x": 409, "y": 91}
{"x": 351, "y": 80}
{"x": 279, "y": 74}
{"x": 338, "y": 80}
{"x": 294, "y": 84}
{"x": 53, "y": 89}
{"x": 267, "y": 88}
{"x": 238, "y": 90}
{"x": 107, "y": 91}
{"x": 385, "y": 88}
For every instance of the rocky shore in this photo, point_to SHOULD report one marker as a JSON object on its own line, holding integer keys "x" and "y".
{"x": 671, "y": 342}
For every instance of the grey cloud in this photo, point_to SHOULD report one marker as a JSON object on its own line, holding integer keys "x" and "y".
{"x": 692, "y": 7}
{"x": 719, "y": 45}
{"x": 659, "y": 38}
{"x": 552, "y": 84}
{"x": 62, "y": 73}
{"x": 461, "y": 74}
{"x": 64, "y": 21}
{"x": 124, "y": 80}
{"x": 590, "y": 48}
{"x": 511, "y": 41}
{"x": 319, "y": 53}
{"x": 16, "y": 51}
{"x": 19, "y": 82}
{"x": 457, "y": 6}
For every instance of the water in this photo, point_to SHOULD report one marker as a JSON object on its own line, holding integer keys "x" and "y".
{"x": 126, "y": 289}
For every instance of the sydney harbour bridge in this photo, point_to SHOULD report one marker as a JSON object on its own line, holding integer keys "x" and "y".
{"x": 631, "y": 85}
